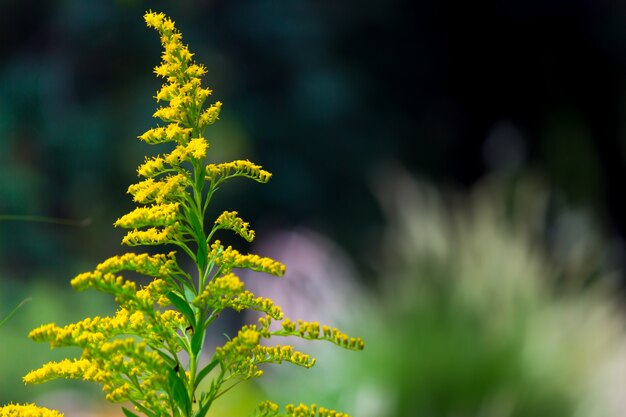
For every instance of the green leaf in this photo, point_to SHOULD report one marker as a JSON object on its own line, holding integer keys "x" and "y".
{"x": 197, "y": 340}
{"x": 202, "y": 254}
{"x": 205, "y": 371}
{"x": 179, "y": 392}
{"x": 198, "y": 231}
{"x": 168, "y": 359}
{"x": 143, "y": 409}
{"x": 183, "y": 307}
{"x": 204, "y": 408}
{"x": 129, "y": 413}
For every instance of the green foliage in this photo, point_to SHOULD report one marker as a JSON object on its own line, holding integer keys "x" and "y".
{"x": 474, "y": 316}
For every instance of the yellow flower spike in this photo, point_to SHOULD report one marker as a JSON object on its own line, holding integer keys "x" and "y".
{"x": 220, "y": 172}
{"x": 137, "y": 319}
{"x": 142, "y": 263}
{"x": 155, "y": 20}
{"x": 69, "y": 369}
{"x": 152, "y": 236}
{"x": 229, "y": 258}
{"x": 197, "y": 148}
{"x": 230, "y": 220}
{"x": 169, "y": 114}
{"x": 210, "y": 115}
{"x": 172, "y": 133}
{"x": 156, "y": 215}
{"x": 168, "y": 91}
{"x": 150, "y": 191}
{"x": 27, "y": 410}
{"x": 195, "y": 70}
{"x": 149, "y": 352}
{"x": 220, "y": 292}
{"x": 108, "y": 283}
{"x": 151, "y": 167}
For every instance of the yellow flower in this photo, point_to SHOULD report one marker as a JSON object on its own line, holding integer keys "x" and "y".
{"x": 169, "y": 189}
{"x": 156, "y": 215}
{"x": 210, "y": 115}
{"x": 151, "y": 167}
{"x": 220, "y": 172}
{"x": 230, "y": 220}
{"x": 228, "y": 258}
{"x": 69, "y": 369}
{"x": 27, "y": 410}
{"x": 152, "y": 236}
{"x": 174, "y": 132}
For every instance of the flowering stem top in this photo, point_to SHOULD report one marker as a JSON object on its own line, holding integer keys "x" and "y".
{"x": 149, "y": 352}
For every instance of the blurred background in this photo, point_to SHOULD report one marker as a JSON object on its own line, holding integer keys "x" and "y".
{"x": 447, "y": 185}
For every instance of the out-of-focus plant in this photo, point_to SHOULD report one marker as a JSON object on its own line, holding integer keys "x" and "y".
{"x": 489, "y": 329}
{"x": 150, "y": 352}
{"x": 477, "y": 314}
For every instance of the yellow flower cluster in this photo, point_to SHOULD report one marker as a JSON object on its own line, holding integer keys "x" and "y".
{"x": 220, "y": 291}
{"x": 153, "y": 236}
{"x": 270, "y": 409}
{"x": 183, "y": 88}
{"x": 27, "y": 410}
{"x": 242, "y": 354}
{"x": 230, "y": 220}
{"x": 69, "y": 369}
{"x": 174, "y": 132}
{"x": 103, "y": 279}
{"x": 155, "y": 215}
{"x": 122, "y": 289}
{"x": 311, "y": 330}
{"x": 196, "y": 149}
{"x": 311, "y": 411}
{"x": 150, "y": 265}
{"x": 149, "y": 190}
{"x": 240, "y": 168}
{"x": 227, "y": 291}
{"x": 126, "y": 369}
{"x": 267, "y": 409}
{"x": 211, "y": 114}
{"x": 158, "y": 327}
{"x": 151, "y": 167}
{"x": 237, "y": 356}
{"x": 248, "y": 301}
{"x": 229, "y": 258}
{"x": 279, "y": 354}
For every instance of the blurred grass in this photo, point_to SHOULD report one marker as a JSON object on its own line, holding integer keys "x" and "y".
{"x": 475, "y": 315}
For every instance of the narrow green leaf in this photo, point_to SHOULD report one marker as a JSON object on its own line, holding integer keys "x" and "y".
{"x": 202, "y": 254}
{"x": 14, "y": 310}
{"x": 204, "y": 408}
{"x": 129, "y": 413}
{"x": 182, "y": 306}
{"x": 168, "y": 359}
{"x": 198, "y": 229}
{"x": 143, "y": 409}
{"x": 179, "y": 392}
{"x": 197, "y": 340}
{"x": 205, "y": 371}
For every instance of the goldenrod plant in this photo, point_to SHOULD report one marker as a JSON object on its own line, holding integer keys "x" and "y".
{"x": 151, "y": 352}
